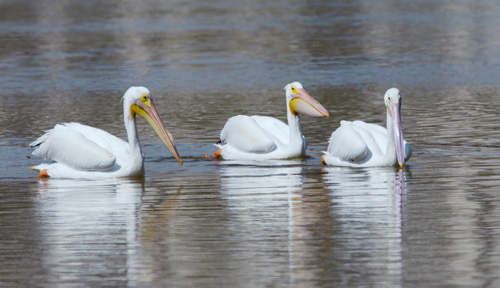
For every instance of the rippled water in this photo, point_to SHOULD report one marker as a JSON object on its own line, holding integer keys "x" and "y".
{"x": 245, "y": 224}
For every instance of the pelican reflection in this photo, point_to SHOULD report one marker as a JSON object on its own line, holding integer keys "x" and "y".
{"x": 89, "y": 225}
{"x": 368, "y": 207}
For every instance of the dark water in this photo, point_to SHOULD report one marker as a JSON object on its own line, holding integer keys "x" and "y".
{"x": 233, "y": 224}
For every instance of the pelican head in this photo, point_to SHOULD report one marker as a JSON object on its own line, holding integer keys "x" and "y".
{"x": 140, "y": 101}
{"x": 300, "y": 102}
{"x": 393, "y": 101}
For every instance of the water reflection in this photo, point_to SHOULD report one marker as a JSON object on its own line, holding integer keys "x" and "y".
{"x": 245, "y": 185}
{"x": 351, "y": 234}
{"x": 263, "y": 200}
{"x": 263, "y": 226}
{"x": 88, "y": 225}
{"x": 368, "y": 207}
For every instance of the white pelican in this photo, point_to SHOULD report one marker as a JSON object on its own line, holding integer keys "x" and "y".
{"x": 359, "y": 144}
{"x": 82, "y": 151}
{"x": 264, "y": 138}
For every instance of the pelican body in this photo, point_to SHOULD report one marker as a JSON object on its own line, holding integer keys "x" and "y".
{"x": 265, "y": 138}
{"x": 360, "y": 144}
{"x": 81, "y": 151}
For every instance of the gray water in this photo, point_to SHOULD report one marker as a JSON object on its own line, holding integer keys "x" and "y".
{"x": 235, "y": 224}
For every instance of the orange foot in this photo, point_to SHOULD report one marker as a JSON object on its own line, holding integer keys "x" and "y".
{"x": 43, "y": 174}
{"x": 217, "y": 154}
{"x": 323, "y": 159}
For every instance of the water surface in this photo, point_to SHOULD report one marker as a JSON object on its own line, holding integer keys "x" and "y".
{"x": 246, "y": 224}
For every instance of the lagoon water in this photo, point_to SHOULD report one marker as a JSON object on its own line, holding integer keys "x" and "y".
{"x": 244, "y": 224}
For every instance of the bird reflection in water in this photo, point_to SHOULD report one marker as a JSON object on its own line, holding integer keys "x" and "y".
{"x": 367, "y": 205}
{"x": 88, "y": 225}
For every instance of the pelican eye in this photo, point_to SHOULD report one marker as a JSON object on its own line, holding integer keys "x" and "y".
{"x": 145, "y": 99}
{"x": 294, "y": 90}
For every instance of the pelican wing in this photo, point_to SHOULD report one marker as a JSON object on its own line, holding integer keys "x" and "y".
{"x": 245, "y": 134}
{"x": 74, "y": 149}
{"x": 102, "y": 138}
{"x": 375, "y": 136}
{"x": 347, "y": 143}
{"x": 274, "y": 127}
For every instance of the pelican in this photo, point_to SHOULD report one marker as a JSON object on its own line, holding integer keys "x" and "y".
{"x": 81, "y": 151}
{"x": 264, "y": 138}
{"x": 359, "y": 144}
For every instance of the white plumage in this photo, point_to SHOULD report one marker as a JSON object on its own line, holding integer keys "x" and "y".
{"x": 360, "y": 144}
{"x": 264, "y": 138}
{"x": 81, "y": 151}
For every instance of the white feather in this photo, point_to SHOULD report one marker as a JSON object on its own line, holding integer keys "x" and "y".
{"x": 67, "y": 145}
{"x": 81, "y": 151}
{"x": 360, "y": 144}
{"x": 267, "y": 138}
{"x": 245, "y": 134}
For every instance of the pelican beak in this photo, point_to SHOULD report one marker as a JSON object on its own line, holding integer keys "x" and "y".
{"x": 149, "y": 113}
{"x": 395, "y": 113}
{"x": 304, "y": 104}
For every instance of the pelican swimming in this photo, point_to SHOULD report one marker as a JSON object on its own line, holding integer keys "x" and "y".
{"x": 359, "y": 144}
{"x": 81, "y": 151}
{"x": 264, "y": 138}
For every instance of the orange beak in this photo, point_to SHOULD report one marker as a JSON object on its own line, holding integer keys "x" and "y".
{"x": 304, "y": 104}
{"x": 149, "y": 113}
